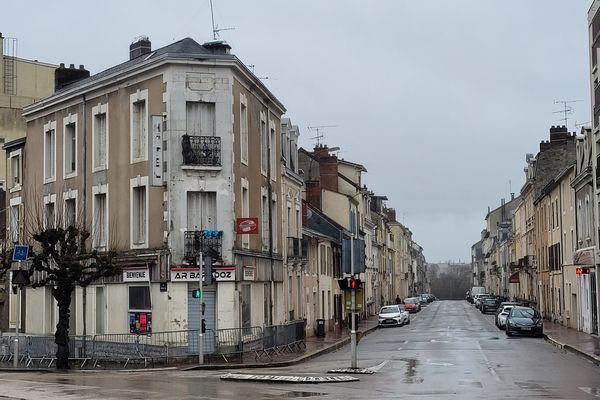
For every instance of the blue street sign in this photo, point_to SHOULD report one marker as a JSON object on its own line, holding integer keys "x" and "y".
{"x": 20, "y": 253}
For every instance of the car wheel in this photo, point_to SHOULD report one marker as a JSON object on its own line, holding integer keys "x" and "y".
{"x": 508, "y": 333}
{"x": 408, "y": 322}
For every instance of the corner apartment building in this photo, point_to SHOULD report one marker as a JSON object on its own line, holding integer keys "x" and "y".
{"x": 164, "y": 157}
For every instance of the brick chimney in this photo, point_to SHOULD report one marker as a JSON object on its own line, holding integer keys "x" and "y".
{"x": 313, "y": 193}
{"x": 65, "y": 76}
{"x": 391, "y": 214}
{"x": 139, "y": 47}
{"x": 328, "y": 165}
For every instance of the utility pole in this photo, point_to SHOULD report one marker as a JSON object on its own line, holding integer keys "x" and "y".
{"x": 353, "y": 363}
{"x": 200, "y": 335}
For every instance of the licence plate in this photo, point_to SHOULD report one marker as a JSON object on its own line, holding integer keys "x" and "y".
{"x": 389, "y": 320}
{"x": 526, "y": 329}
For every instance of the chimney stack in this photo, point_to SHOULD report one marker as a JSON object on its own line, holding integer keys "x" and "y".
{"x": 139, "y": 47}
{"x": 217, "y": 47}
{"x": 65, "y": 76}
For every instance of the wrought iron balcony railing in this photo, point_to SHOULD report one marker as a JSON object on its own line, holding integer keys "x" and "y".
{"x": 201, "y": 150}
{"x": 208, "y": 242}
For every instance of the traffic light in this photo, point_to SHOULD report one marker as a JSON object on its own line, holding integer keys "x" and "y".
{"x": 355, "y": 283}
{"x": 196, "y": 293}
{"x": 203, "y": 325}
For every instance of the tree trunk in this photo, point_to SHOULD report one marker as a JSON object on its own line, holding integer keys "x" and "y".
{"x": 62, "y": 294}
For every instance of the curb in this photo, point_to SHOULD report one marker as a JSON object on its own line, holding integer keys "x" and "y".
{"x": 563, "y": 346}
{"x": 331, "y": 348}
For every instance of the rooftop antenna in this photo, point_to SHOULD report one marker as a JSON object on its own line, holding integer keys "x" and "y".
{"x": 567, "y": 109}
{"x": 319, "y": 129}
{"x": 215, "y": 28}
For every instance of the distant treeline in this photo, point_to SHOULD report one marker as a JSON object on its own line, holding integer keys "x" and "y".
{"x": 451, "y": 282}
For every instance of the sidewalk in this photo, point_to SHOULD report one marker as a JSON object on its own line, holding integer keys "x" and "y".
{"x": 315, "y": 346}
{"x": 579, "y": 342}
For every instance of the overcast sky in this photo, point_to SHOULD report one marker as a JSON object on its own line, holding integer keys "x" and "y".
{"x": 440, "y": 100}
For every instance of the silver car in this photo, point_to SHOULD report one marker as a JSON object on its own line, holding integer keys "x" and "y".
{"x": 394, "y": 315}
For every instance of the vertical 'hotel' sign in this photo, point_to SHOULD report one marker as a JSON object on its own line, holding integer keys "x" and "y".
{"x": 157, "y": 151}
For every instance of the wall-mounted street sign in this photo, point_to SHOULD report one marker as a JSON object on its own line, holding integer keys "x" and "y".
{"x": 246, "y": 226}
{"x": 20, "y": 253}
{"x": 136, "y": 275}
{"x": 249, "y": 273}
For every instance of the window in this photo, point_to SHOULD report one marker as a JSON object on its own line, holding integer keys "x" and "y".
{"x": 272, "y": 151}
{"x": 200, "y": 119}
{"x": 49, "y": 215}
{"x": 49, "y": 211}
{"x": 100, "y": 137}
{"x": 275, "y": 223}
{"x": 246, "y": 298}
{"x": 139, "y": 125}
{"x": 139, "y": 298}
{"x": 265, "y": 221}
{"x": 15, "y": 169}
{"x": 201, "y": 210}
{"x": 140, "y": 310}
{"x": 50, "y": 152}
{"x": 139, "y": 211}
{"x": 244, "y": 128}
{"x": 245, "y": 211}
{"x": 14, "y": 223}
{"x": 70, "y": 212}
{"x": 100, "y": 217}
{"x": 70, "y": 146}
{"x": 264, "y": 146}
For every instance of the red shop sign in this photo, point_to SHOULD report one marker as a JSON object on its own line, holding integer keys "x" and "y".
{"x": 246, "y": 226}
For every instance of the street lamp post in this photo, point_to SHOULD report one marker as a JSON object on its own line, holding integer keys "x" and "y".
{"x": 353, "y": 362}
{"x": 200, "y": 335}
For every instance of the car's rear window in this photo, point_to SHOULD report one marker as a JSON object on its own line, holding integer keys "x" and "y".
{"x": 389, "y": 309}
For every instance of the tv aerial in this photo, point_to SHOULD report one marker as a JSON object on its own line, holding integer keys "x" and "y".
{"x": 319, "y": 135}
{"x": 567, "y": 109}
{"x": 215, "y": 28}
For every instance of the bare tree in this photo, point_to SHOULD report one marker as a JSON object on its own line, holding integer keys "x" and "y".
{"x": 62, "y": 257}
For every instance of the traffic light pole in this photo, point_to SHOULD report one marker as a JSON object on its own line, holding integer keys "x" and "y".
{"x": 353, "y": 363}
{"x": 200, "y": 335}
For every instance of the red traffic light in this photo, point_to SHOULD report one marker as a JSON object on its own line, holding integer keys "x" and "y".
{"x": 355, "y": 283}
{"x": 582, "y": 270}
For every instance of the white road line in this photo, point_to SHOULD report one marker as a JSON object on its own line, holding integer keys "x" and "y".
{"x": 488, "y": 363}
{"x": 377, "y": 367}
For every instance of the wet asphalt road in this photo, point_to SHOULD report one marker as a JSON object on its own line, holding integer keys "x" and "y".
{"x": 449, "y": 351}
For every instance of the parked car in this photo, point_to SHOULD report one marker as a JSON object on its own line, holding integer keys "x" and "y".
{"x": 468, "y": 296}
{"x": 478, "y": 297}
{"x": 430, "y": 298}
{"x": 412, "y": 304}
{"x": 423, "y": 299}
{"x": 502, "y": 315}
{"x": 524, "y": 320}
{"x": 506, "y": 303}
{"x": 475, "y": 290}
{"x": 393, "y": 315}
{"x": 489, "y": 304}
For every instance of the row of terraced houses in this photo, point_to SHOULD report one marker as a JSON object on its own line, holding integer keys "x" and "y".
{"x": 181, "y": 151}
{"x": 543, "y": 246}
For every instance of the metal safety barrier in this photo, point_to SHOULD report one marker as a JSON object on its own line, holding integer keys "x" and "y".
{"x": 109, "y": 350}
{"x": 284, "y": 338}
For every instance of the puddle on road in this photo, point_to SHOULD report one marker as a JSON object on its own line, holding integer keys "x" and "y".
{"x": 468, "y": 382}
{"x": 411, "y": 370}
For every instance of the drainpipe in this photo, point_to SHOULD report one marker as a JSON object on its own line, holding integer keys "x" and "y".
{"x": 270, "y": 207}
{"x": 84, "y": 205}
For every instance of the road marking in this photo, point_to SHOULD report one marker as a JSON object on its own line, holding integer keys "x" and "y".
{"x": 488, "y": 363}
{"x": 377, "y": 367}
{"x": 289, "y": 378}
{"x": 591, "y": 391}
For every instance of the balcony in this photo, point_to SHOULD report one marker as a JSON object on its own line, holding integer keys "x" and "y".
{"x": 297, "y": 248}
{"x": 201, "y": 150}
{"x": 208, "y": 242}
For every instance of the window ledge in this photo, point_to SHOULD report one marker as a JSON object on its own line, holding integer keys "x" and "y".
{"x": 201, "y": 167}
{"x": 15, "y": 188}
{"x": 70, "y": 175}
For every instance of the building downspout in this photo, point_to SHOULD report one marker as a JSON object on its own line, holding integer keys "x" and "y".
{"x": 84, "y": 215}
{"x": 562, "y": 261}
{"x": 270, "y": 207}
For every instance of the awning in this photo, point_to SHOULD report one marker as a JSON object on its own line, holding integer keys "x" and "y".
{"x": 514, "y": 278}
